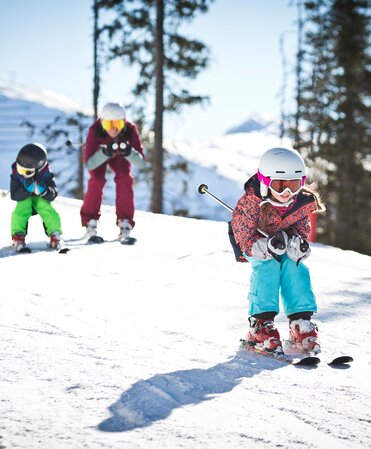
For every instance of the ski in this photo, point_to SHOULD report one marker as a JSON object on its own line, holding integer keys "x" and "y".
{"x": 24, "y": 250}
{"x": 341, "y": 360}
{"x": 307, "y": 360}
{"x": 63, "y": 250}
{"x": 128, "y": 241}
{"x": 95, "y": 239}
{"x": 28, "y": 250}
{"x": 289, "y": 347}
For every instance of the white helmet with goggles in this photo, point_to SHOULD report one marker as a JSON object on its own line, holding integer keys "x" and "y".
{"x": 280, "y": 164}
{"x": 113, "y": 111}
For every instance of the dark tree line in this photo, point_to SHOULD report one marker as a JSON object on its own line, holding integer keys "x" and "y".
{"x": 332, "y": 122}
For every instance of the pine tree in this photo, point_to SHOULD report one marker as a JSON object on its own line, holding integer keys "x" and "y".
{"x": 96, "y": 59}
{"x": 146, "y": 33}
{"x": 336, "y": 112}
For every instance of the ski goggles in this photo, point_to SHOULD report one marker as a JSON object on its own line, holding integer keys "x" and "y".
{"x": 279, "y": 186}
{"x": 26, "y": 172}
{"x": 108, "y": 125}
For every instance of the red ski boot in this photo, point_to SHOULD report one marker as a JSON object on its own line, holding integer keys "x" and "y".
{"x": 304, "y": 334}
{"x": 55, "y": 241}
{"x": 19, "y": 241}
{"x": 264, "y": 335}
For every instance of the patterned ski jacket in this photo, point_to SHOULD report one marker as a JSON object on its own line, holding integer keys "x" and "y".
{"x": 22, "y": 188}
{"x": 250, "y": 215}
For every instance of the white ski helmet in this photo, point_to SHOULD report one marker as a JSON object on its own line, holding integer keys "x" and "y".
{"x": 280, "y": 163}
{"x": 113, "y": 111}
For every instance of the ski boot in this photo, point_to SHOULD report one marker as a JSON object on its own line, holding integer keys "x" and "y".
{"x": 55, "y": 240}
{"x": 125, "y": 230}
{"x": 304, "y": 335}
{"x": 91, "y": 228}
{"x": 264, "y": 335}
{"x": 19, "y": 242}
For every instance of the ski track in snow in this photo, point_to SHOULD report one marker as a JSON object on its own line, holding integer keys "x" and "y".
{"x": 137, "y": 347}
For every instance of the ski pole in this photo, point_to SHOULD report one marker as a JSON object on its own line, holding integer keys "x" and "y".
{"x": 73, "y": 145}
{"x": 202, "y": 188}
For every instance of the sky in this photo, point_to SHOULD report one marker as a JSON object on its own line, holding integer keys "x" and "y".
{"x": 47, "y": 44}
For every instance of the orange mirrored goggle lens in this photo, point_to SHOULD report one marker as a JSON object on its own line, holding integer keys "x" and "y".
{"x": 26, "y": 172}
{"x": 279, "y": 185}
{"x": 107, "y": 125}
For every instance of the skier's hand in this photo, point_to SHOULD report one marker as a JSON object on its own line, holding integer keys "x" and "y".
{"x": 49, "y": 193}
{"x": 123, "y": 147}
{"x": 39, "y": 188}
{"x": 260, "y": 249}
{"x": 29, "y": 185}
{"x": 298, "y": 248}
{"x": 107, "y": 150}
{"x": 277, "y": 243}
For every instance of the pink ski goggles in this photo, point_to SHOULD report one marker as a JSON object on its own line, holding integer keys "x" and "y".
{"x": 279, "y": 186}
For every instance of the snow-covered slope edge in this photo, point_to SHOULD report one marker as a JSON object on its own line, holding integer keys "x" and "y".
{"x": 110, "y": 346}
{"x": 223, "y": 163}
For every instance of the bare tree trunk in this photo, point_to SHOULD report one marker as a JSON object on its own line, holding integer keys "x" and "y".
{"x": 96, "y": 82}
{"x": 299, "y": 61}
{"x": 158, "y": 152}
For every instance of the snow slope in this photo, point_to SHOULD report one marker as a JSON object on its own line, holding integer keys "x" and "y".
{"x": 224, "y": 162}
{"x": 137, "y": 347}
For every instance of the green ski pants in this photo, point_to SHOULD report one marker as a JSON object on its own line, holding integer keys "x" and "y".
{"x": 25, "y": 209}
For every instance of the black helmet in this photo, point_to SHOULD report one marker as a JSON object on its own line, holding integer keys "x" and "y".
{"x": 32, "y": 155}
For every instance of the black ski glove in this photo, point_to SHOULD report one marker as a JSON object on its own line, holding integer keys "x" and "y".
{"x": 107, "y": 150}
{"x": 124, "y": 148}
{"x": 277, "y": 243}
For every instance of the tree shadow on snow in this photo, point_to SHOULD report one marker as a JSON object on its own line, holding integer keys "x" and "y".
{"x": 153, "y": 399}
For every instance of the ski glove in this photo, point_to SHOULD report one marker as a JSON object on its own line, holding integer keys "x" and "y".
{"x": 260, "y": 249}
{"x": 277, "y": 243}
{"x": 124, "y": 148}
{"x": 107, "y": 150}
{"x": 49, "y": 193}
{"x": 298, "y": 248}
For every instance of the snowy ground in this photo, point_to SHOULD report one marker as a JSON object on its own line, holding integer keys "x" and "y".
{"x": 137, "y": 347}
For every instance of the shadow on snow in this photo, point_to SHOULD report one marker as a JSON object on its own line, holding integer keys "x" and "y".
{"x": 153, "y": 399}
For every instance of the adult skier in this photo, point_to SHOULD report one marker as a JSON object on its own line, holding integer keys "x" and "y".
{"x": 110, "y": 141}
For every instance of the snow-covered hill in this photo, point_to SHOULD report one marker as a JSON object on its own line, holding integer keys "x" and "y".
{"x": 137, "y": 347}
{"x": 18, "y": 105}
{"x": 223, "y": 163}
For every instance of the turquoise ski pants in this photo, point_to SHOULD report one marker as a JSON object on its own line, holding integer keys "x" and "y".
{"x": 270, "y": 279}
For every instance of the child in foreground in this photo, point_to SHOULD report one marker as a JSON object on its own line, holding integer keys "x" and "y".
{"x": 271, "y": 225}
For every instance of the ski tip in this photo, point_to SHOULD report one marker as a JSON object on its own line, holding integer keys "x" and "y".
{"x": 342, "y": 360}
{"x": 307, "y": 361}
{"x": 128, "y": 241}
{"x": 63, "y": 250}
{"x": 95, "y": 239}
{"x": 24, "y": 250}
